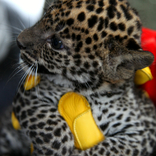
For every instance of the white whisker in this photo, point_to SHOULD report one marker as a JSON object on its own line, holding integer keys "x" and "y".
{"x": 15, "y": 73}
{"x": 36, "y": 65}
{"x": 29, "y": 73}
{"x": 22, "y": 24}
{"x": 20, "y": 30}
{"x": 10, "y": 26}
{"x": 22, "y": 79}
{"x": 24, "y": 76}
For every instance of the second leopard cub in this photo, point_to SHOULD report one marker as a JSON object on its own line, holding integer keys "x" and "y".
{"x": 91, "y": 47}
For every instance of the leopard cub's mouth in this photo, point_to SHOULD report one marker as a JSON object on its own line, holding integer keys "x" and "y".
{"x": 37, "y": 67}
{"x": 43, "y": 70}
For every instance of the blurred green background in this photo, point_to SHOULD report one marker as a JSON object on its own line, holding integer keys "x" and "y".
{"x": 147, "y": 11}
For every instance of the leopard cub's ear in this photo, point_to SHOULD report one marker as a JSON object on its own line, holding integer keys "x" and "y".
{"x": 122, "y": 63}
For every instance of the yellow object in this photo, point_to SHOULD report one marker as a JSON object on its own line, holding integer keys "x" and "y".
{"x": 77, "y": 113}
{"x": 142, "y": 76}
{"x": 17, "y": 126}
{"x": 31, "y": 81}
{"x": 31, "y": 148}
{"x": 15, "y": 122}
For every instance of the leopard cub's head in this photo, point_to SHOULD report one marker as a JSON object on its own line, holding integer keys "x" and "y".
{"x": 89, "y": 42}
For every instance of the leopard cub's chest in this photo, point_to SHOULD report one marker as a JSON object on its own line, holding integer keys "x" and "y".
{"x": 111, "y": 111}
{"x": 114, "y": 112}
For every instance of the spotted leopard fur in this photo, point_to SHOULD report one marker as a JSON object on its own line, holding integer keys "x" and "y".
{"x": 91, "y": 47}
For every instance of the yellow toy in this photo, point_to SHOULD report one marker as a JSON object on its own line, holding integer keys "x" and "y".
{"x": 142, "y": 76}
{"x": 31, "y": 82}
{"x": 77, "y": 112}
{"x": 15, "y": 122}
{"x": 17, "y": 126}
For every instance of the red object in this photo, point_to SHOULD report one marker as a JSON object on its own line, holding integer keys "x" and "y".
{"x": 148, "y": 43}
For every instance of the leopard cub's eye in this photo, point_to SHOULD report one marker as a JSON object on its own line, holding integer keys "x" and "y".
{"x": 56, "y": 43}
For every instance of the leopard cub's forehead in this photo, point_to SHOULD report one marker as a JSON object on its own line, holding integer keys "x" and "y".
{"x": 103, "y": 17}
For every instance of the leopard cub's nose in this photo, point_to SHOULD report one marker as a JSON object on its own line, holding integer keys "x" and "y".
{"x": 20, "y": 45}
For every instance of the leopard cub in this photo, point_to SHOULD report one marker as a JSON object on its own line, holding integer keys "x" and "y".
{"x": 91, "y": 47}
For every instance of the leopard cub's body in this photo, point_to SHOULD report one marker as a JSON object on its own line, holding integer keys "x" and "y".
{"x": 91, "y": 47}
{"x": 124, "y": 116}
